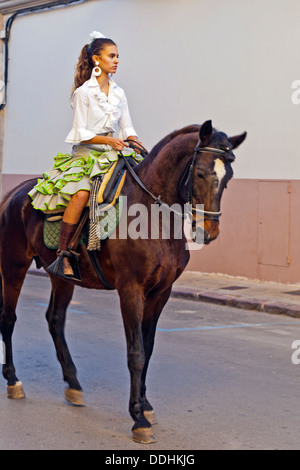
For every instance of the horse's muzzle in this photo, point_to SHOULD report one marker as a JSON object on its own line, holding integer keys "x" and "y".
{"x": 211, "y": 230}
{"x": 205, "y": 232}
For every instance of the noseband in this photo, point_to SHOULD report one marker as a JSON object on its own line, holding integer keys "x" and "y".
{"x": 187, "y": 181}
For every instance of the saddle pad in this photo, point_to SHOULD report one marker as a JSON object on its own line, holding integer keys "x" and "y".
{"x": 109, "y": 220}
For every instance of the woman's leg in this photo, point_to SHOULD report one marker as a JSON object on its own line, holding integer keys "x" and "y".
{"x": 68, "y": 226}
{"x": 75, "y": 207}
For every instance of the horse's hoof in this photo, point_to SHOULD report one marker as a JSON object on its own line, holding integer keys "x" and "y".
{"x": 15, "y": 391}
{"x": 74, "y": 396}
{"x": 150, "y": 416}
{"x": 143, "y": 436}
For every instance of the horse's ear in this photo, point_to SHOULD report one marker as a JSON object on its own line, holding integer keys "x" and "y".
{"x": 205, "y": 132}
{"x": 237, "y": 139}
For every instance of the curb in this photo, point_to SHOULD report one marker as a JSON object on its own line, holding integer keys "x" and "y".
{"x": 246, "y": 303}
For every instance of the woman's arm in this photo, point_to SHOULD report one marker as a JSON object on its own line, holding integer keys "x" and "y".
{"x": 114, "y": 142}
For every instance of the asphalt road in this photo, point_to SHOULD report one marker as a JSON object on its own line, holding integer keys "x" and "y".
{"x": 220, "y": 378}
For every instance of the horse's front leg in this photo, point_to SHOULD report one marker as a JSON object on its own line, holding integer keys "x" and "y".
{"x": 61, "y": 295}
{"x": 132, "y": 306}
{"x": 152, "y": 310}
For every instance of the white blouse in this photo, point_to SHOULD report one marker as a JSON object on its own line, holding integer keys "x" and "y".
{"x": 94, "y": 113}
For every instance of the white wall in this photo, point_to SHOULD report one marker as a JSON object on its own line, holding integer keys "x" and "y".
{"x": 181, "y": 62}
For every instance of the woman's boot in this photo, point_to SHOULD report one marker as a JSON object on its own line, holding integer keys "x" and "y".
{"x": 65, "y": 236}
{"x": 62, "y": 266}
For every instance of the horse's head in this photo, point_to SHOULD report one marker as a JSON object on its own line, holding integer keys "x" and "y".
{"x": 206, "y": 178}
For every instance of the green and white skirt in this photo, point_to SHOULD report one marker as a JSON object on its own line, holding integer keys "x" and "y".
{"x": 72, "y": 173}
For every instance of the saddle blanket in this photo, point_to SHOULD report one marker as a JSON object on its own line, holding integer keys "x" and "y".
{"x": 108, "y": 222}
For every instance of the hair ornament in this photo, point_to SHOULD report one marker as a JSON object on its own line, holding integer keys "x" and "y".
{"x": 96, "y": 35}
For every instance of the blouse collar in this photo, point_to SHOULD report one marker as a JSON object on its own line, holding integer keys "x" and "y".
{"x": 92, "y": 82}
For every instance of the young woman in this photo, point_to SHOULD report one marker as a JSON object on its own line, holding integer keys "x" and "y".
{"x": 99, "y": 108}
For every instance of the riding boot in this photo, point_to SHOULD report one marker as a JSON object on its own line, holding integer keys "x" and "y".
{"x": 65, "y": 236}
{"x": 63, "y": 265}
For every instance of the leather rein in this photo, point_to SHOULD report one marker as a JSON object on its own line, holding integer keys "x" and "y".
{"x": 186, "y": 181}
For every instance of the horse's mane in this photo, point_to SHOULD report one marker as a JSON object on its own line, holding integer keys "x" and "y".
{"x": 185, "y": 130}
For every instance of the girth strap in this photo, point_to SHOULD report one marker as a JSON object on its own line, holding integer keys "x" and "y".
{"x": 96, "y": 265}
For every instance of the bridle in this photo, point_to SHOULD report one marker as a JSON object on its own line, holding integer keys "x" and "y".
{"x": 186, "y": 182}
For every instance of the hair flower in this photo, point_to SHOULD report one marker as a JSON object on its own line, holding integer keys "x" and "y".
{"x": 96, "y": 35}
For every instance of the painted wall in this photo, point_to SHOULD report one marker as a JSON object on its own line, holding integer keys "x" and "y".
{"x": 181, "y": 62}
{"x": 259, "y": 232}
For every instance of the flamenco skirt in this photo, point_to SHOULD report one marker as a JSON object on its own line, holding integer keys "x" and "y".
{"x": 72, "y": 173}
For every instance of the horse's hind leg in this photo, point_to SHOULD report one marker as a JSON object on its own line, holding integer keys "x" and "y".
{"x": 61, "y": 296}
{"x": 11, "y": 284}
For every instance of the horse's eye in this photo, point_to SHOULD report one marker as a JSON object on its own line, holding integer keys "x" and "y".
{"x": 200, "y": 174}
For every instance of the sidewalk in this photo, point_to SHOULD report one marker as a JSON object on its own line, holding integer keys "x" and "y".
{"x": 270, "y": 297}
{"x": 239, "y": 292}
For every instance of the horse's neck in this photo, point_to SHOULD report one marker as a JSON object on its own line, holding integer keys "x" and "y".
{"x": 161, "y": 174}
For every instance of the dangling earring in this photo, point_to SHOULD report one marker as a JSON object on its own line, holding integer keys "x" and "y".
{"x": 96, "y": 70}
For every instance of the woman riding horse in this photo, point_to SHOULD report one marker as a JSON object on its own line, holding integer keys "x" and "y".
{"x": 194, "y": 161}
{"x": 99, "y": 107}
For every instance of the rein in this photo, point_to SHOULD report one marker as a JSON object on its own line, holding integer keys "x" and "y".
{"x": 157, "y": 199}
{"x": 188, "y": 183}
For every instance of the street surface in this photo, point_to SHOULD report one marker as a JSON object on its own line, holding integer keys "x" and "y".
{"x": 220, "y": 378}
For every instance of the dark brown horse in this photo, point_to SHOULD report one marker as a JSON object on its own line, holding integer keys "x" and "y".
{"x": 195, "y": 163}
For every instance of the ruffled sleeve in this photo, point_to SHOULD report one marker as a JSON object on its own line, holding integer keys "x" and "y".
{"x": 79, "y": 131}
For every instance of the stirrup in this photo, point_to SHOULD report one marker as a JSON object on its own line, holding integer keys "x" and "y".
{"x": 57, "y": 267}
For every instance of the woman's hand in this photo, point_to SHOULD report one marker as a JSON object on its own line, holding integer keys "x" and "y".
{"x": 116, "y": 143}
{"x": 137, "y": 145}
{"x": 135, "y": 139}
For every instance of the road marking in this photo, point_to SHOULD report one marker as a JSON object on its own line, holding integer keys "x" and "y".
{"x": 80, "y": 312}
{"x": 246, "y": 325}
{"x": 184, "y": 311}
